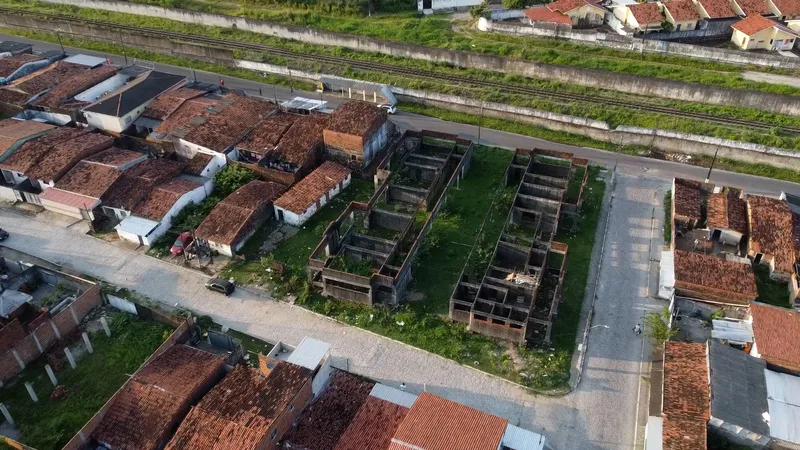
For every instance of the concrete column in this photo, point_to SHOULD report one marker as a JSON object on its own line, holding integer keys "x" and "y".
{"x": 70, "y": 358}
{"x": 55, "y": 330}
{"x": 87, "y": 342}
{"x": 38, "y": 344}
{"x": 29, "y": 387}
{"x": 7, "y": 415}
{"x": 375, "y": 97}
{"x": 104, "y": 323}
{"x": 364, "y": 95}
{"x": 19, "y": 360}
{"x": 50, "y": 374}
{"x": 74, "y": 316}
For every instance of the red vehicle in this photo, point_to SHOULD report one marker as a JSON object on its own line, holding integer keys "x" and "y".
{"x": 183, "y": 242}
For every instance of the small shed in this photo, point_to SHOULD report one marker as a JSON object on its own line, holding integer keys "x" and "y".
{"x": 314, "y": 355}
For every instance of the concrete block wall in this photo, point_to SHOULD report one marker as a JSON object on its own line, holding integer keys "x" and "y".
{"x": 630, "y": 84}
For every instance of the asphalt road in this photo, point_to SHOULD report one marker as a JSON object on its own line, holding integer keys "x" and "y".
{"x": 600, "y": 414}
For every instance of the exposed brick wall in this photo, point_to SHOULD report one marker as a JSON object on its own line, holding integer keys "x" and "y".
{"x": 88, "y": 300}
{"x": 64, "y": 322}
{"x": 27, "y": 349}
{"x": 9, "y": 367}
{"x": 349, "y": 143}
{"x": 45, "y": 334}
{"x": 285, "y": 420}
{"x": 37, "y": 322}
{"x": 10, "y": 335}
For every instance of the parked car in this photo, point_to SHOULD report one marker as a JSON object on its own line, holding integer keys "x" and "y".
{"x": 220, "y": 285}
{"x": 182, "y": 243}
{"x": 391, "y": 109}
{"x": 3, "y": 234}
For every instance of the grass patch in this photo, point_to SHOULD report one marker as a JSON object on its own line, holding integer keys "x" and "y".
{"x": 668, "y": 217}
{"x": 448, "y": 243}
{"x": 770, "y": 291}
{"x": 49, "y": 424}
{"x": 574, "y": 186}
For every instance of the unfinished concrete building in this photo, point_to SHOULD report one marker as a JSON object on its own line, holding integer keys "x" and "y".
{"x": 366, "y": 255}
{"x": 514, "y": 293}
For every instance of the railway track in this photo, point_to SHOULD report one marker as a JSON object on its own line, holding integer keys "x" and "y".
{"x": 399, "y": 70}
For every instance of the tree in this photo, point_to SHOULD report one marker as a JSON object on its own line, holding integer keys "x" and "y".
{"x": 231, "y": 178}
{"x": 478, "y": 11}
{"x": 513, "y": 4}
{"x": 667, "y": 25}
{"x": 656, "y": 327}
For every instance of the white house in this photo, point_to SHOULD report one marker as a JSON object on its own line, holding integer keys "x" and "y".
{"x": 311, "y": 193}
{"x": 115, "y": 111}
{"x": 429, "y": 6}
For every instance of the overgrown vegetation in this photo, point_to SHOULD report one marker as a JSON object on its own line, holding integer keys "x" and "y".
{"x": 656, "y": 327}
{"x": 770, "y": 291}
{"x": 668, "y": 217}
{"x": 349, "y": 264}
{"x": 50, "y": 423}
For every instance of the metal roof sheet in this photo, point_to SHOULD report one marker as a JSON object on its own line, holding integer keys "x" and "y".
{"x": 732, "y": 330}
{"x": 784, "y": 406}
{"x": 85, "y": 60}
{"x": 309, "y": 353}
{"x": 11, "y": 300}
{"x": 137, "y": 225}
{"x": 738, "y": 388}
{"x": 393, "y": 395}
{"x": 303, "y": 103}
{"x": 516, "y": 438}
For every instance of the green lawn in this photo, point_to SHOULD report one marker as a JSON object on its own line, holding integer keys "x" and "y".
{"x": 769, "y": 290}
{"x": 456, "y": 227}
{"x": 49, "y": 424}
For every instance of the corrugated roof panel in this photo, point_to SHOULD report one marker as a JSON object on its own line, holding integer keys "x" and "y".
{"x": 738, "y": 331}
{"x": 516, "y": 438}
{"x": 137, "y": 225}
{"x": 783, "y": 393}
{"x": 309, "y": 353}
{"x": 85, "y": 60}
{"x": 393, "y": 395}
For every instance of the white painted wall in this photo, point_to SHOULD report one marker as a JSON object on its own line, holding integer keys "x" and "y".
{"x": 299, "y": 219}
{"x": 449, "y": 4}
{"x": 112, "y": 123}
{"x": 95, "y": 92}
{"x": 7, "y": 194}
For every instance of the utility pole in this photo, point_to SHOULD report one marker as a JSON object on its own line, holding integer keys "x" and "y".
{"x": 58, "y": 35}
{"x": 708, "y": 176}
{"x": 275, "y": 94}
{"x": 194, "y": 75}
{"x": 123, "y": 49}
{"x": 291, "y": 82}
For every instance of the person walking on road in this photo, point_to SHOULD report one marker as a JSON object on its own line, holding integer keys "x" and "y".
{"x": 637, "y": 330}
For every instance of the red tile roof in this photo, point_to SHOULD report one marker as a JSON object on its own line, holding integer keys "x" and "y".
{"x": 323, "y": 422}
{"x": 74, "y": 85}
{"x": 66, "y": 198}
{"x": 26, "y": 87}
{"x": 64, "y": 155}
{"x": 714, "y": 279}
{"x": 357, "y": 119}
{"x": 434, "y": 423}
{"x": 771, "y": 230}
{"x": 682, "y": 10}
{"x": 647, "y": 13}
{"x": 236, "y": 214}
{"x": 787, "y": 7}
{"x": 180, "y": 370}
{"x": 727, "y": 211}
{"x": 753, "y": 7}
{"x": 681, "y": 433}
{"x": 568, "y": 5}
{"x": 310, "y": 189}
{"x": 10, "y": 64}
{"x": 12, "y": 130}
{"x": 305, "y": 136}
{"x": 776, "y": 331}
{"x": 543, "y": 14}
{"x": 115, "y": 157}
{"x": 687, "y": 198}
{"x": 266, "y": 135}
{"x": 238, "y": 413}
{"x": 30, "y": 152}
{"x": 166, "y": 103}
{"x": 198, "y": 163}
{"x": 754, "y": 24}
{"x": 162, "y": 198}
{"x": 717, "y": 9}
{"x": 136, "y": 183}
{"x": 373, "y": 426}
{"x": 89, "y": 179}
{"x": 686, "y": 391}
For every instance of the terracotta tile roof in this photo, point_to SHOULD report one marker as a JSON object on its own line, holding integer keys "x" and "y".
{"x": 18, "y": 92}
{"x": 157, "y": 397}
{"x": 233, "y": 216}
{"x": 305, "y": 135}
{"x": 753, "y": 7}
{"x": 647, "y": 13}
{"x": 266, "y": 135}
{"x": 753, "y": 24}
{"x": 323, "y": 422}
{"x": 114, "y": 157}
{"x": 30, "y": 152}
{"x": 55, "y": 195}
{"x": 74, "y": 85}
{"x": 682, "y": 10}
{"x": 136, "y": 183}
{"x": 727, "y": 211}
{"x": 434, "y": 423}
{"x": 201, "y": 430}
{"x": 198, "y": 163}
{"x": 543, "y": 14}
{"x": 687, "y": 197}
{"x": 313, "y": 187}
{"x": 686, "y": 391}
{"x": 166, "y": 103}
{"x": 796, "y": 231}
{"x": 357, "y": 119}
{"x": 91, "y": 180}
{"x": 712, "y": 277}
{"x": 569, "y": 5}
{"x": 66, "y": 154}
{"x": 215, "y": 123}
{"x": 683, "y": 434}
{"x": 771, "y": 230}
{"x": 373, "y": 426}
{"x": 162, "y": 198}
{"x": 10, "y": 64}
{"x": 787, "y": 7}
{"x": 717, "y": 9}
{"x": 12, "y": 130}
{"x": 776, "y": 332}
